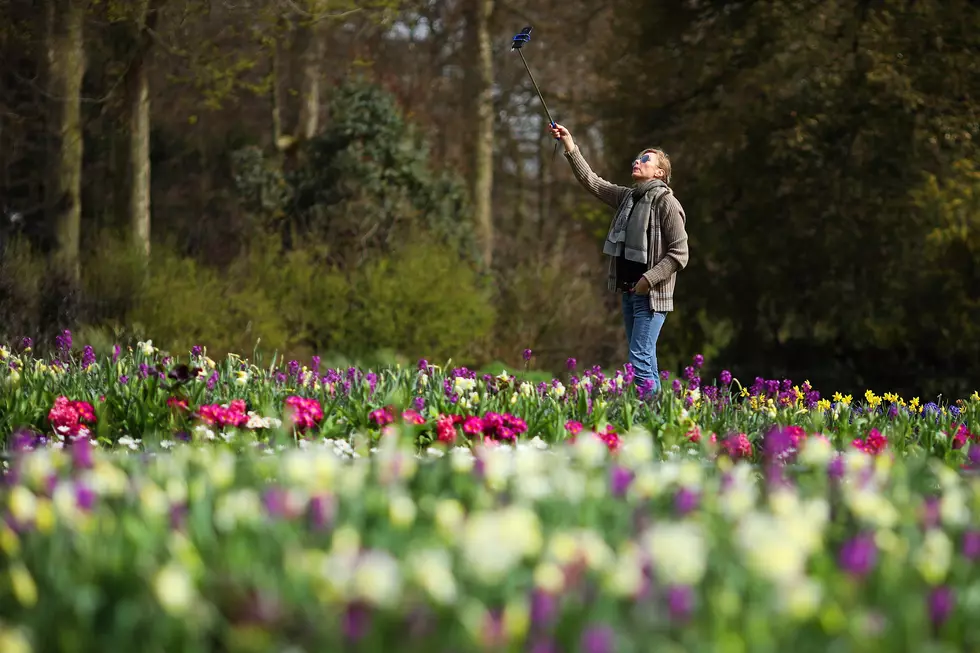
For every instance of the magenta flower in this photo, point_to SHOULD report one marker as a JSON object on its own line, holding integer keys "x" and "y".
{"x": 858, "y": 555}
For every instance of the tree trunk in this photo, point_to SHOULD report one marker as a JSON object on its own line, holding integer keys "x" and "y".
{"x": 65, "y": 68}
{"x": 482, "y": 84}
{"x": 296, "y": 115}
{"x": 137, "y": 135}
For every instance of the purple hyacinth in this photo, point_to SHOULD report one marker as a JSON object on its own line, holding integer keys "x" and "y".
{"x": 123, "y": 380}
{"x": 63, "y": 341}
{"x": 419, "y": 403}
{"x": 619, "y": 480}
{"x": 544, "y": 606}
{"x": 196, "y": 351}
{"x": 527, "y": 355}
{"x": 680, "y": 602}
{"x": 356, "y": 621}
{"x": 858, "y": 555}
{"x": 685, "y": 501}
{"x": 88, "y": 356}
{"x": 599, "y": 639}
{"x": 941, "y": 602}
{"x": 571, "y": 364}
{"x": 26, "y": 343}
{"x": 321, "y": 512}
{"x": 84, "y": 497}
{"x": 698, "y": 360}
{"x": 971, "y": 544}
{"x": 725, "y": 377}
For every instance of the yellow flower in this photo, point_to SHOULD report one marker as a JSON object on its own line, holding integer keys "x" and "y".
{"x": 432, "y": 570}
{"x": 25, "y": 590}
{"x": 549, "y": 577}
{"x": 934, "y": 558}
{"x": 23, "y": 504}
{"x": 401, "y": 511}
{"x": 174, "y": 589}
{"x": 14, "y": 641}
{"x": 823, "y": 405}
{"x": 517, "y": 618}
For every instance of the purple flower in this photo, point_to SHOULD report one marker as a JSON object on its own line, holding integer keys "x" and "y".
{"x": 527, "y": 355}
{"x": 63, "y": 341}
{"x": 213, "y": 380}
{"x": 274, "y": 500}
{"x": 196, "y": 351}
{"x": 685, "y": 501}
{"x": 357, "y": 620}
{"x": 315, "y": 364}
{"x": 423, "y": 365}
{"x": 941, "y": 602}
{"x": 26, "y": 343}
{"x": 835, "y": 469}
{"x": 570, "y": 364}
{"x": 88, "y": 356}
{"x": 971, "y": 544}
{"x": 84, "y": 497}
{"x": 123, "y": 379}
{"x": 725, "y": 377}
{"x": 321, "y": 512}
{"x": 619, "y": 480}
{"x": 665, "y": 374}
{"x": 543, "y": 607}
{"x": 680, "y": 602}
{"x": 116, "y": 350}
{"x": 419, "y": 403}
{"x": 698, "y": 360}
{"x": 689, "y": 372}
{"x": 858, "y": 555}
{"x": 599, "y": 639}
{"x": 81, "y": 453}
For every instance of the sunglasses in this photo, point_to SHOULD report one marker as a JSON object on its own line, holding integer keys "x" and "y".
{"x": 643, "y": 159}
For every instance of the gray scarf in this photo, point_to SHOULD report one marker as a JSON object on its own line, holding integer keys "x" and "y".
{"x": 629, "y": 236}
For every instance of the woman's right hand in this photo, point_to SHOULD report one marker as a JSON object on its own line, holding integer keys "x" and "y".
{"x": 566, "y": 138}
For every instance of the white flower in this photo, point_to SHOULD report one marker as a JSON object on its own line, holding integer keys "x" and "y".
{"x": 377, "y": 579}
{"x": 462, "y": 385}
{"x": 679, "y": 552}
{"x": 129, "y": 442}
{"x": 147, "y": 347}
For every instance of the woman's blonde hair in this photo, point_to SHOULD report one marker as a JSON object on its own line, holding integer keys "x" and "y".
{"x": 663, "y": 161}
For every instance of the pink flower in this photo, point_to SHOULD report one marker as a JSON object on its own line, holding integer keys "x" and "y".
{"x": 473, "y": 425}
{"x": 382, "y": 416}
{"x": 573, "y": 427}
{"x": 71, "y": 418}
{"x": 217, "y": 415}
{"x": 873, "y": 444}
{"x": 446, "y": 429}
{"x": 738, "y": 446}
{"x": 305, "y": 413}
{"x": 413, "y": 417}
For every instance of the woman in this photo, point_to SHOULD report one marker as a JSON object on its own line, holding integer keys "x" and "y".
{"x": 647, "y": 245}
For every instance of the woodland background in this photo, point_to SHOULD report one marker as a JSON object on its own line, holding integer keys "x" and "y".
{"x": 373, "y": 180}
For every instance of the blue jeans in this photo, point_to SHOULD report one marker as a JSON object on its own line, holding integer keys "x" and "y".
{"x": 642, "y": 331}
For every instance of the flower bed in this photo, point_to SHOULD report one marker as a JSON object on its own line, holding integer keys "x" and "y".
{"x": 157, "y": 504}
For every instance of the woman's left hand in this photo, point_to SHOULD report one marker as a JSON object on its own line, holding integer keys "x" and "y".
{"x": 642, "y": 287}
